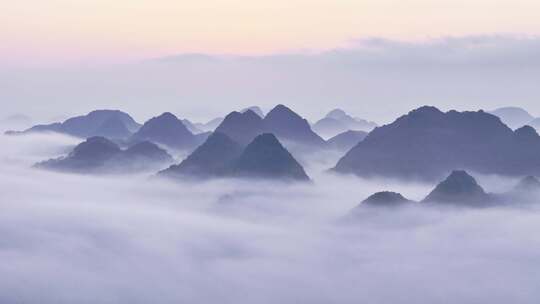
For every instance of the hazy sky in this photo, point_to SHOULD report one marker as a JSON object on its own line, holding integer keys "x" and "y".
{"x": 51, "y": 31}
{"x": 376, "y": 59}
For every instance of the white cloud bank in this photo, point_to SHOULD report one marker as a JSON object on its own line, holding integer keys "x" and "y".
{"x": 76, "y": 239}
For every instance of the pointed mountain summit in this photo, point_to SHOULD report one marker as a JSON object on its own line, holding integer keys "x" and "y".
{"x": 346, "y": 140}
{"x": 257, "y": 110}
{"x": 242, "y": 127}
{"x": 513, "y": 117}
{"x": 96, "y": 123}
{"x": 213, "y": 158}
{"x": 459, "y": 189}
{"x": 289, "y": 126}
{"x": 265, "y": 157}
{"x": 427, "y": 142}
{"x": 386, "y": 199}
{"x": 167, "y": 130}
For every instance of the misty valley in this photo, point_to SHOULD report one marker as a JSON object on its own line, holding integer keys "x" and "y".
{"x": 268, "y": 207}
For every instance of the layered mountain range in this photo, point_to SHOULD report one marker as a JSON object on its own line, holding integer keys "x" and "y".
{"x": 281, "y": 121}
{"x": 220, "y": 156}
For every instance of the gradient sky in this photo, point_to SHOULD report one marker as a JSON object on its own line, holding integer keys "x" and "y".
{"x": 66, "y": 31}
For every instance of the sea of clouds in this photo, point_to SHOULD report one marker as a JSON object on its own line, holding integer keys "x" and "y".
{"x": 134, "y": 239}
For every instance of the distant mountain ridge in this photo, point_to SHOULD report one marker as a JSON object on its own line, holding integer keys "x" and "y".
{"x": 256, "y": 109}
{"x": 426, "y": 143}
{"x": 346, "y": 140}
{"x": 513, "y": 117}
{"x": 113, "y": 124}
{"x": 338, "y": 121}
{"x": 100, "y": 155}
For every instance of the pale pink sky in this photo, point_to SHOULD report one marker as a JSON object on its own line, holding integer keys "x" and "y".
{"x": 66, "y": 31}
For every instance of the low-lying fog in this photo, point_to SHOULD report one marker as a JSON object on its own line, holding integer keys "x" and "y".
{"x": 124, "y": 239}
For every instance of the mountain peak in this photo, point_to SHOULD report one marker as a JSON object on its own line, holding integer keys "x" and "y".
{"x": 458, "y": 188}
{"x": 288, "y": 125}
{"x": 265, "y": 157}
{"x": 527, "y": 132}
{"x": 166, "y": 129}
{"x": 212, "y": 158}
{"x": 336, "y": 114}
{"x": 95, "y": 147}
{"x": 166, "y": 116}
{"x": 426, "y": 143}
{"x": 241, "y": 127}
{"x": 281, "y": 107}
{"x": 426, "y": 111}
{"x": 385, "y": 199}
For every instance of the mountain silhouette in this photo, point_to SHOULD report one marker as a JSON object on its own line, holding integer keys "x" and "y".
{"x": 143, "y": 156}
{"x": 386, "y": 199}
{"x": 213, "y": 158}
{"x": 167, "y": 130}
{"x": 108, "y": 123}
{"x": 338, "y": 121}
{"x": 242, "y": 127}
{"x": 191, "y": 126}
{"x": 53, "y": 127}
{"x": 459, "y": 189}
{"x": 257, "y": 110}
{"x": 100, "y": 155}
{"x": 209, "y": 126}
{"x": 513, "y": 117}
{"x": 113, "y": 128}
{"x": 535, "y": 124}
{"x": 528, "y": 184}
{"x": 289, "y": 126}
{"x": 265, "y": 157}
{"x": 346, "y": 140}
{"x": 329, "y": 127}
{"x": 426, "y": 143}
